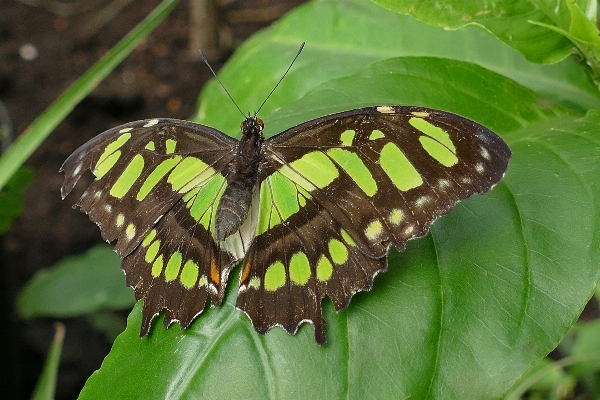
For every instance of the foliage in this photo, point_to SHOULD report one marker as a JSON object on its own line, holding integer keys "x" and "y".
{"x": 78, "y": 285}
{"x": 469, "y": 309}
{"x": 46, "y": 385}
{"x": 12, "y": 197}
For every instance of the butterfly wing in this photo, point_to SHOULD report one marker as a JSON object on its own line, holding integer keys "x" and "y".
{"x": 156, "y": 189}
{"x": 338, "y": 191}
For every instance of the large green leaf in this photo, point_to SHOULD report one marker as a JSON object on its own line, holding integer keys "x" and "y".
{"x": 461, "y": 313}
{"x": 510, "y": 21}
{"x": 433, "y": 82}
{"x": 343, "y": 36}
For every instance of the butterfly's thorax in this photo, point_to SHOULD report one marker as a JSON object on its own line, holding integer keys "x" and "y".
{"x": 235, "y": 203}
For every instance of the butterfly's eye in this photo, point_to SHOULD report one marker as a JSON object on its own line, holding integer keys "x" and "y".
{"x": 260, "y": 123}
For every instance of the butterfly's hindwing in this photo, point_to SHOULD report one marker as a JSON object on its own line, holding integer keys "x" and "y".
{"x": 296, "y": 259}
{"x": 354, "y": 184}
{"x": 176, "y": 266}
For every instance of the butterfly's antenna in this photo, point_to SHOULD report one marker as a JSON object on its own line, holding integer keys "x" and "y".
{"x": 221, "y": 83}
{"x": 285, "y": 73}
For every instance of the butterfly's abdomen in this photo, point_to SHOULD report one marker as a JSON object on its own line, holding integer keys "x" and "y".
{"x": 236, "y": 200}
{"x": 233, "y": 208}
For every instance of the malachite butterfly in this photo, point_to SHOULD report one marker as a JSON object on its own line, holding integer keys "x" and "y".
{"x": 312, "y": 211}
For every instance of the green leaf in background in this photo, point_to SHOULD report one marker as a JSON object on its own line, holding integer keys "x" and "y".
{"x": 586, "y": 354}
{"x": 462, "y": 313}
{"x": 545, "y": 380}
{"x": 584, "y": 34}
{"x": 510, "y": 21}
{"x": 580, "y": 364}
{"x": 350, "y": 34}
{"x": 46, "y": 385}
{"x": 12, "y": 197}
{"x": 77, "y": 285}
{"x": 420, "y": 80}
{"x": 107, "y": 322}
{"x": 582, "y": 27}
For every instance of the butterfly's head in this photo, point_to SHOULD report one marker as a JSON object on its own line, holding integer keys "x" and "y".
{"x": 252, "y": 126}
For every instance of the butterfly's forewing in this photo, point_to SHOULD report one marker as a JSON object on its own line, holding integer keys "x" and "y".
{"x": 156, "y": 191}
{"x": 338, "y": 191}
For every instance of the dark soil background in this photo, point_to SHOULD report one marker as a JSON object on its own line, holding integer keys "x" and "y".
{"x": 44, "y": 46}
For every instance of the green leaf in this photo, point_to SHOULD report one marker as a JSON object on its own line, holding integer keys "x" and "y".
{"x": 580, "y": 365}
{"x": 584, "y": 34}
{"x": 546, "y": 380}
{"x": 510, "y": 21}
{"x": 490, "y": 291}
{"x": 582, "y": 28}
{"x": 421, "y": 80}
{"x": 12, "y": 197}
{"x": 77, "y": 285}
{"x": 343, "y": 36}
{"x": 46, "y": 385}
{"x": 586, "y": 351}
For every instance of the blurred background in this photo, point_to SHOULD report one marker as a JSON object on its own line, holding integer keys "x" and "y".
{"x": 44, "y": 46}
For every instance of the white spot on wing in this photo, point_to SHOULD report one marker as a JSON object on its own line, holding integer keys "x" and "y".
{"x": 386, "y": 109}
{"x": 120, "y": 220}
{"x": 150, "y": 123}
{"x": 420, "y": 202}
{"x": 482, "y": 137}
{"x": 484, "y": 153}
{"x": 254, "y": 283}
{"x": 374, "y": 230}
{"x": 125, "y": 130}
{"x": 212, "y": 289}
{"x": 479, "y": 168}
{"x": 443, "y": 184}
{"x": 130, "y": 231}
{"x": 396, "y": 216}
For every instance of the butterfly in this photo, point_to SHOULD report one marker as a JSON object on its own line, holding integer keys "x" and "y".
{"x": 311, "y": 212}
